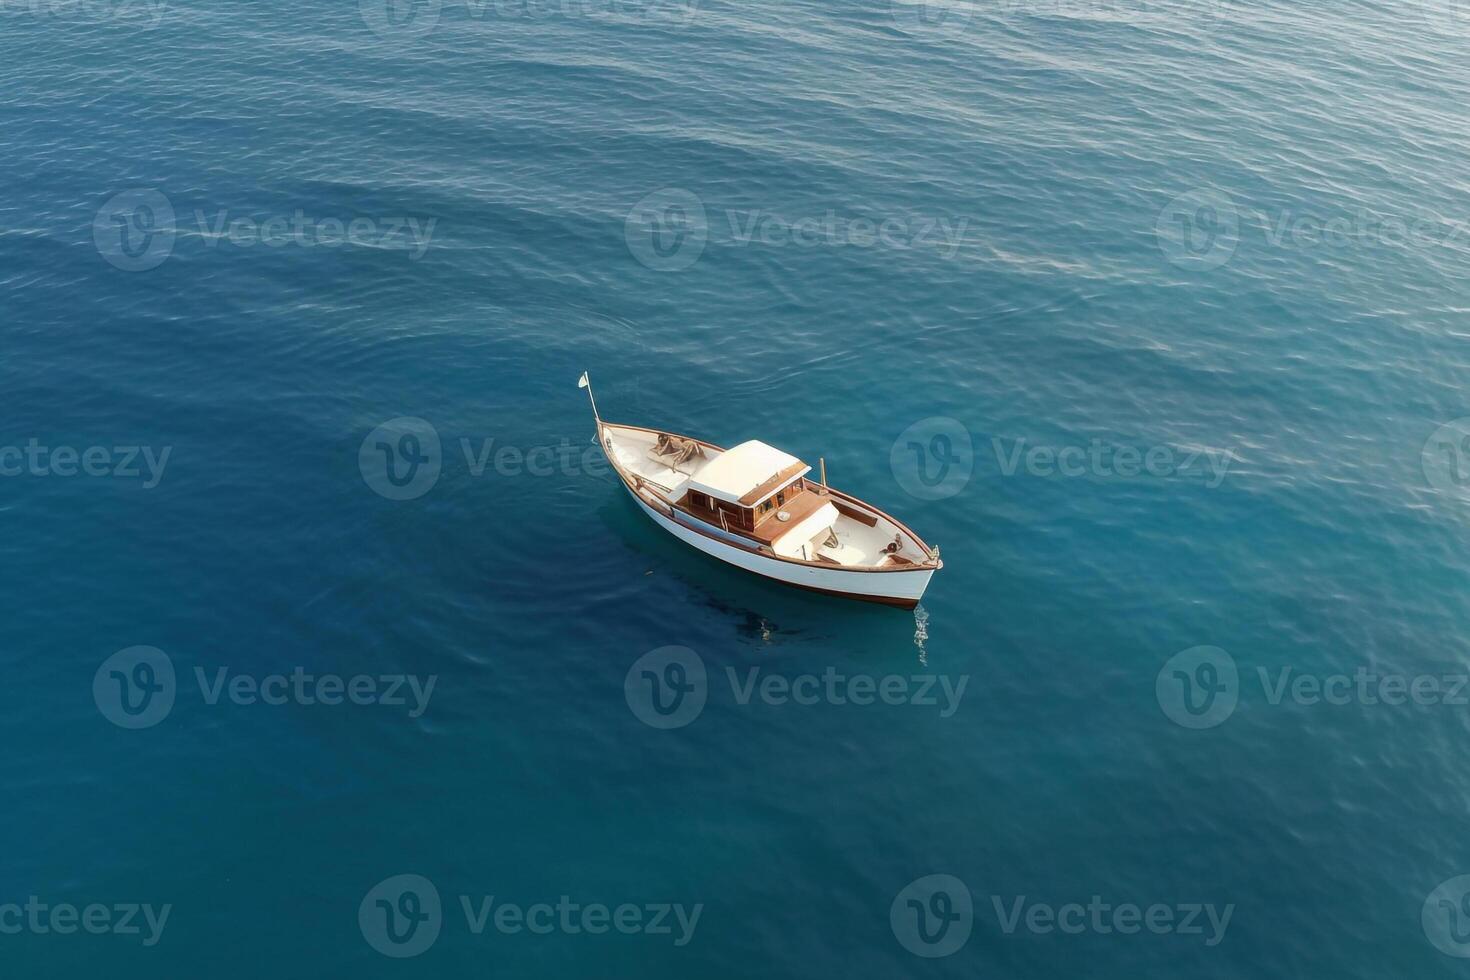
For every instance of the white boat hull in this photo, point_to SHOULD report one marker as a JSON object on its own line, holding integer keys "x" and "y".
{"x": 892, "y": 588}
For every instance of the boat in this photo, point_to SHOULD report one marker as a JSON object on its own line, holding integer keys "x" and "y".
{"x": 756, "y": 507}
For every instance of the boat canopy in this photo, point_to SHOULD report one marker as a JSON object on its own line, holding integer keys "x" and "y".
{"x": 747, "y": 474}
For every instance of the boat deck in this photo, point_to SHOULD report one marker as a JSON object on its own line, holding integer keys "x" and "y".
{"x": 635, "y": 454}
{"x": 800, "y": 507}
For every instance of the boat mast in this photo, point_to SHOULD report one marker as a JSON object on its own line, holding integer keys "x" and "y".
{"x": 582, "y": 382}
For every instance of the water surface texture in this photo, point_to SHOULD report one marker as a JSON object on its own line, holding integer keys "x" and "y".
{"x": 333, "y": 649}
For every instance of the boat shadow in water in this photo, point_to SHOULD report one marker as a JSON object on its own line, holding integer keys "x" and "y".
{"x": 760, "y": 609}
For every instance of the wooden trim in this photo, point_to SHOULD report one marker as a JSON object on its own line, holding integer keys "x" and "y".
{"x": 675, "y": 515}
{"x": 885, "y": 600}
{"x": 773, "y": 484}
{"x": 847, "y": 510}
{"x": 659, "y": 432}
{"x": 655, "y": 502}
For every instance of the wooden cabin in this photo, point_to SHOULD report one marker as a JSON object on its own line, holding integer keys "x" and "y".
{"x": 759, "y": 492}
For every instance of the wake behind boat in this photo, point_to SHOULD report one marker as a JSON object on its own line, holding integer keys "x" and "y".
{"x": 754, "y": 507}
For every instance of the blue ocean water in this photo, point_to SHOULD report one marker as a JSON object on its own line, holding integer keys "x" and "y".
{"x": 1152, "y": 315}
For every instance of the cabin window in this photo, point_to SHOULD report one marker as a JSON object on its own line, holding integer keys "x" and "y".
{"x": 781, "y": 496}
{"x": 766, "y": 507}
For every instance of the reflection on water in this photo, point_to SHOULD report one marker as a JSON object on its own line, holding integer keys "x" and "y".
{"x": 921, "y": 632}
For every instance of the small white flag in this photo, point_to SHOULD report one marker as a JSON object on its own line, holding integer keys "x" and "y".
{"x": 582, "y": 381}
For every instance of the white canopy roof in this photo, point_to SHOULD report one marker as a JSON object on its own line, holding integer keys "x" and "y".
{"x": 747, "y": 474}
